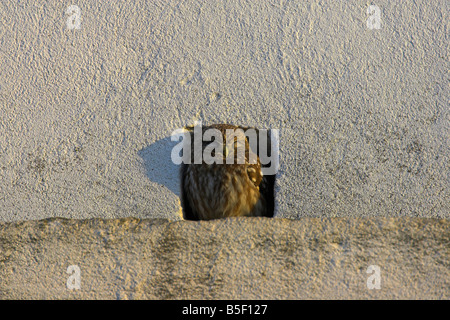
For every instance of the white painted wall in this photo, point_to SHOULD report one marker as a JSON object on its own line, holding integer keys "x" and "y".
{"x": 86, "y": 114}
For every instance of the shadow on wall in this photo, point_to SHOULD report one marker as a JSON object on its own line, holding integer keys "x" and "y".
{"x": 159, "y": 166}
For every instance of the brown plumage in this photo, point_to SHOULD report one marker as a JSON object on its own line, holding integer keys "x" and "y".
{"x": 213, "y": 191}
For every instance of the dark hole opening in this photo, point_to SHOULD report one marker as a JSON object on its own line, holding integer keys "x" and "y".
{"x": 266, "y": 187}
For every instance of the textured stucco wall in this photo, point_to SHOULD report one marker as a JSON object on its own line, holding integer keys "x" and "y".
{"x": 239, "y": 258}
{"x": 86, "y": 114}
{"x": 86, "y": 117}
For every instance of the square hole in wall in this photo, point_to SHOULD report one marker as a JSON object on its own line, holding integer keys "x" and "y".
{"x": 213, "y": 191}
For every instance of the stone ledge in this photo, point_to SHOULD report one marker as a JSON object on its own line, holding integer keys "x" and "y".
{"x": 238, "y": 258}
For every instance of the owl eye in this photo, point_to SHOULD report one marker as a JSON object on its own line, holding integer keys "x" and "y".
{"x": 251, "y": 172}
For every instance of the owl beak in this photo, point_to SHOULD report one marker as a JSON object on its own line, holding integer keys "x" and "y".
{"x": 225, "y": 152}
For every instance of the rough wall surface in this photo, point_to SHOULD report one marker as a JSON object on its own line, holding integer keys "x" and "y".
{"x": 238, "y": 258}
{"x": 86, "y": 113}
{"x": 89, "y": 98}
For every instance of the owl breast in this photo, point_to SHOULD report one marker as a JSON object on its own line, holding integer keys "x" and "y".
{"x": 221, "y": 192}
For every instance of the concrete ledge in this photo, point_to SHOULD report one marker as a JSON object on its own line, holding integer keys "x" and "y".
{"x": 244, "y": 258}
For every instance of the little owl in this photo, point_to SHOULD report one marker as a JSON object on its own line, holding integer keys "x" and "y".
{"x": 220, "y": 188}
